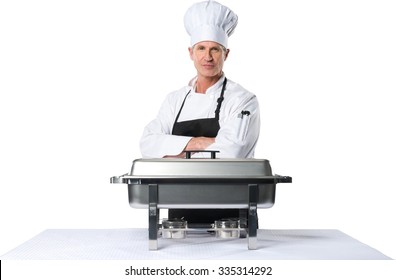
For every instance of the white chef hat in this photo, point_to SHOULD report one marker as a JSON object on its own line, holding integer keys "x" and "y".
{"x": 210, "y": 21}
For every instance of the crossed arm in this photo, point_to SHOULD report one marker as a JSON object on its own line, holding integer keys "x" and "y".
{"x": 196, "y": 143}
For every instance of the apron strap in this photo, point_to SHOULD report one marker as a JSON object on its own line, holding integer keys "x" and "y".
{"x": 220, "y": 100}
{"x": 178, "y": 114}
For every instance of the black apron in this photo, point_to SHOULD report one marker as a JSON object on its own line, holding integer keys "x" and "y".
{"x": 208, "y": 127}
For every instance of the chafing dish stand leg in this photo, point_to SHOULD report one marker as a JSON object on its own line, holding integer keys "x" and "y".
{"x": 153, "y": 216}
{"x": 252, "y": 217}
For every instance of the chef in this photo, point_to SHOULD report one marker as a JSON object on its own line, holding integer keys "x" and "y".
{"x": 211, "y": 112}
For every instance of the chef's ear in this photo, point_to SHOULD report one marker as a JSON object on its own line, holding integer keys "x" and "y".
{"x": 226, "y": 54}
{"x": 190, "y": 50}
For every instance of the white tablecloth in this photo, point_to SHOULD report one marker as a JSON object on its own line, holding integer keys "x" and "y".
{"x": 132, "y": 244}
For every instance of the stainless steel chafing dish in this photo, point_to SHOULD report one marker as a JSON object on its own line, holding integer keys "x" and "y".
{"x": 202, "y": 184}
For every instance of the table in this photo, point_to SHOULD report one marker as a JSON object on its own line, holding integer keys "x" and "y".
{"x": 131, "y": 244}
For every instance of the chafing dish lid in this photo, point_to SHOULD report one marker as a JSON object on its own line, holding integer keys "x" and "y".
{"x": 201, "y": 167}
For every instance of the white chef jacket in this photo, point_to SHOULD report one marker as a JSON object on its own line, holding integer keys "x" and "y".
{"x": 237, "y": 137}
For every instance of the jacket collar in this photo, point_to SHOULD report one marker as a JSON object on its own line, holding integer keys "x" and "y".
{"x": 211, "y": 90}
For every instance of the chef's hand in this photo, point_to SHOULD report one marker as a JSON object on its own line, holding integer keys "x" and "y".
{"x": 199, "y": 143}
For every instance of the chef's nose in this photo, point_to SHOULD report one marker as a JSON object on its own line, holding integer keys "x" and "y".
{"x": 208, "y": 55}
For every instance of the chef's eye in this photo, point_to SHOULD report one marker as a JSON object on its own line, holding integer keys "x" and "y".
{"x": 200, "y": 48}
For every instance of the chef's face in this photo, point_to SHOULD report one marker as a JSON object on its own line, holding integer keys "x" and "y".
{"x": 208, "y": 58}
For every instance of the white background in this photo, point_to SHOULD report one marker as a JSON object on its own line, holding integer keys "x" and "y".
{"x": 80, "y": 79}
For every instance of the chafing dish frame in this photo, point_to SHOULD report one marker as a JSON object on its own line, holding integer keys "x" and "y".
{"x": 253, "y": 184}
{"x": 155, "y": 182}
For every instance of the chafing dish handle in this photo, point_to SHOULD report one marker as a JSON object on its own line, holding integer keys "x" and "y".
{"x": 283, "y": 179}
{"x": 212, "y": 153}
{"x": 118, "y": 179}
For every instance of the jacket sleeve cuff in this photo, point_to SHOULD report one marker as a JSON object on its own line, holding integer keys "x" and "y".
{"x": 168, "y": 145}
